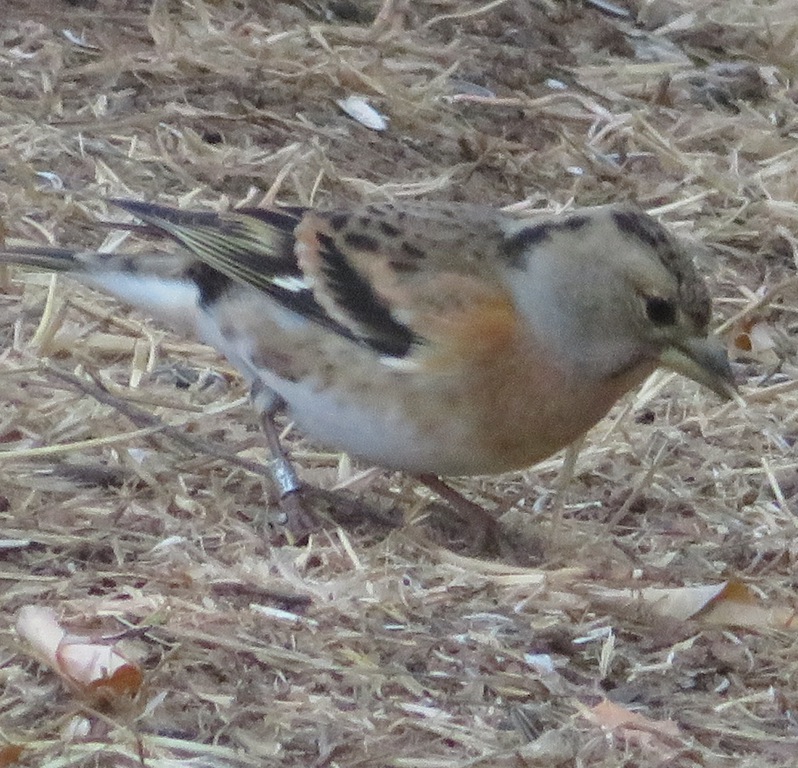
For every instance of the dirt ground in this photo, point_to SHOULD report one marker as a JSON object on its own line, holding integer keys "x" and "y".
{"x": 649, "y": 621}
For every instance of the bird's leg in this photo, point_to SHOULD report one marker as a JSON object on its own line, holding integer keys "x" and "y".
{"x": 304, "y": 506}
{"x": 485, "y": 527}
{"x": 566, "y": 475}
{"x": 298, "y": 520}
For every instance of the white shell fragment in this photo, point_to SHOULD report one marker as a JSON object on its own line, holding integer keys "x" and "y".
{"x": 53, "y": 179}
{"x": 609, "y": 8}
{"x": 467, "y": 88}
{"x": 359, "y": 109}
{"x": 556, "y": 85}
{"x": 79, "y": 40}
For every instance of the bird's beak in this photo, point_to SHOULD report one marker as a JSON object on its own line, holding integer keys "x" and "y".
{"x": 704, "y": 361}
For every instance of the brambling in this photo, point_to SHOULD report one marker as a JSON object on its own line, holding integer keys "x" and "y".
{"x": 436, "y": 339}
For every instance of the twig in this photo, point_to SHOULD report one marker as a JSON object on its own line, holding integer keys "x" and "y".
{"x": 144, "y": 419}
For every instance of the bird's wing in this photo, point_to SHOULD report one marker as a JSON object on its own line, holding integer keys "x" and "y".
{"x": 387, "y": 276}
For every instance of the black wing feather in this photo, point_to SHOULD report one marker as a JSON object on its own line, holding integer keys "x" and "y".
{"x": 358, "y": 300}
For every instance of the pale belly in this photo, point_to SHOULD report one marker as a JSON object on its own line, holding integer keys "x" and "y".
{"x": 380, "y": 431}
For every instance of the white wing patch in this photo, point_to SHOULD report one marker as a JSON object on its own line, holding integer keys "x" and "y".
{"x": 290, "y": 283}
{"x": 403, "y": 364}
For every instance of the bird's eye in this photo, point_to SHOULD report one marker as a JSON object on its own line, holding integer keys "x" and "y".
{"x": 660, "y": 311}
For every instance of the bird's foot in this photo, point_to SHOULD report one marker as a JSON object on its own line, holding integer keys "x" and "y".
{"x": 483, "y": 534}
{"x": 309, "y": 509}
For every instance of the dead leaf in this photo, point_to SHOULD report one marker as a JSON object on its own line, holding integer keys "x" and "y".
{"x": 660, "y": 735}
{"x": 681, "y": 603}
{"x": 729, "y": 603}
{"x": 10, "y": 753}
{"x": 610, "y": 715}
{"x": 94, "y": 668}
{"x": 758, "y": 339}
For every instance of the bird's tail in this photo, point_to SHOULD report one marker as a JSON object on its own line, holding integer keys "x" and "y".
{"x": 94, "y": 264}
{"x": 156, "y": 283}
{"x": 50, "y": 258}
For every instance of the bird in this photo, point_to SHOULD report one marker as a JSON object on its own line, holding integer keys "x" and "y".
{"x": 433, "y": 338}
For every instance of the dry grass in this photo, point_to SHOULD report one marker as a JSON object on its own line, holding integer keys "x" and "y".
{"x": 387, "y": 649}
